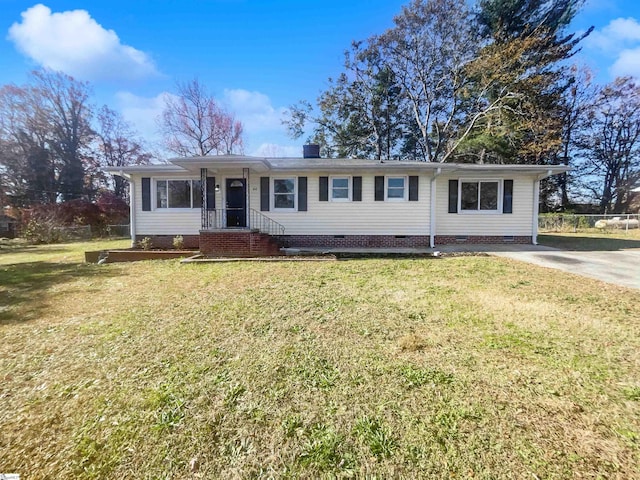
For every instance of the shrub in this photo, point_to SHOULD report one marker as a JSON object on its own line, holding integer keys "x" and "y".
{"x": 45, "y": 223}
{"x": 178, "y": 242}
{"x": 41, "y": 230}
{"x": 113, "y": 208}
{"x": 145, "y": 244}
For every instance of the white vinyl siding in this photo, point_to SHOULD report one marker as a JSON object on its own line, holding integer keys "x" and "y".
{"x": 366, "y": 217}
{"x": 517, "y": 223}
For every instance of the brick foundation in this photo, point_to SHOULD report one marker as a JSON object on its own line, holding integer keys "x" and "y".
{"x": 247, "y": 243}
{"x": 166, "y": 241}
{"x": 392, "y": 241}
{"x": 355, "y": 241}
{"x": 480, "y": 239}
{"x": 238, "y": 243}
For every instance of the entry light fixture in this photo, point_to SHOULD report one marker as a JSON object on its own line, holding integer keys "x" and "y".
{"x": 217, "y": 188}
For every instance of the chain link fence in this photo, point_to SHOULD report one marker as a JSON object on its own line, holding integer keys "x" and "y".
{"x": 566, "y": 222}
{"x": 69, "y": 234}
{"x": 118, "y": 231}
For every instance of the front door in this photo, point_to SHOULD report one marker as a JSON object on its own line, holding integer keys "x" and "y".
{"x": 236, "y": 202}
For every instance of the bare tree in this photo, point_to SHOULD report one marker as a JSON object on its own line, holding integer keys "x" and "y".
{"x": 574, "y": 106}
{"x": 194, "y": 124}
{"x": 26, "y": 164}
{"x": 117, "y": 146}
{"x": 427, "y": 50}
{"x": 66, "y": 102}
{"x": 611, "y": 145}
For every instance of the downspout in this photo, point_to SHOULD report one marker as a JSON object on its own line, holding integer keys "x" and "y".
{"x": 536, "y": 206}
{"x": 432, "y": 208}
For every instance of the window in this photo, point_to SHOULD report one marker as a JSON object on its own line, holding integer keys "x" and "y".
{"x": 178, "y": 194}
{"x": 340, "y": 191}
{"x": 284, "y": 193}
{"x": 396, "y": 188}
{"x": 479, "y": 196}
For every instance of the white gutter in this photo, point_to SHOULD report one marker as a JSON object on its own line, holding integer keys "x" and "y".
{"x": 432, "y": 208}
{"x": 536, "y": 206}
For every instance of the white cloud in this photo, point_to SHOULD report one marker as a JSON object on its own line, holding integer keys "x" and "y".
{"x": 142, "y": 112}
{"x": 619, "y": 43}
{"x": 254, "y": 110}
{"x": 74, "y": 43}
{"x": 627, "y": 64}
{"x": 619, "y": 33}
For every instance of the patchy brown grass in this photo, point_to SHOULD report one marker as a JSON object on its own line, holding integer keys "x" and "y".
{"x": 445, "y": 368}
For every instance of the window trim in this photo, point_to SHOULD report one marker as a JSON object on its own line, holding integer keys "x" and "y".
{"x": 348, "y": 178}
{"x": 478, "y": 211}
{"x": 154, "y": 194}
{"x": 405, "y": 196}
{"x": 272, "y": 195}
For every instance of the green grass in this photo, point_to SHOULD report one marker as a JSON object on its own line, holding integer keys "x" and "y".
{"x": 592, "y": 240}
{"x": 436, "y": 368}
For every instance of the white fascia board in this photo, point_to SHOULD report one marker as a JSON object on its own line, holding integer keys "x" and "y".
{"x": 143, "y": 169}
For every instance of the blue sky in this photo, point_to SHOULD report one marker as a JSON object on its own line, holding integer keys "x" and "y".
{"x": 257, "y": 57}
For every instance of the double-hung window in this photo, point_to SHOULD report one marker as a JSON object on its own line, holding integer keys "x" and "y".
{"x": 340, "y": 189}
{"x": 284, "y": 193}
{"x": 479, "y": 196}
{"x": 396, "y": 188}
{"x": 178, "y": 194}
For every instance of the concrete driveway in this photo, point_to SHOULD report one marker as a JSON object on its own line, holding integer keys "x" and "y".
{"x": 621, "y": 267}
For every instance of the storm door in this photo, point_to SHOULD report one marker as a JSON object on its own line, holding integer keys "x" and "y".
{"x": 236, "y": 202}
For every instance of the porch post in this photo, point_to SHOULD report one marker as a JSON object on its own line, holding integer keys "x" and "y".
{"x": 204, "y": 216}
{"x": 247, "y": 186}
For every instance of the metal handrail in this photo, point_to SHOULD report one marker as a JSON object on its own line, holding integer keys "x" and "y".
{"x": 265, "y": 224}
{"x": 217, "y": 220}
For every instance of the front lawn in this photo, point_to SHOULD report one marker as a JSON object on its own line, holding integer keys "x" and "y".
{"x": 454, "y": 367}
{"x": 592, "y": 240}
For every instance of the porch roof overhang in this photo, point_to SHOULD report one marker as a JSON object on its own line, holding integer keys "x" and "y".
{"x": 127, "y": 171}
{"x": 221, "y": 162}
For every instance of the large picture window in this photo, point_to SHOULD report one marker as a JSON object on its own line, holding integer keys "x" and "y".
{"x": 479, "y": 196}
{"x": 284, "y": 193}
{"x": 178, "y": 194}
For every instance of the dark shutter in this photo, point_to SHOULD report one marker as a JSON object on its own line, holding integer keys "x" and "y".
{"x": 453, "y": 196}
{"x": 146, "y": 194}
{"x": 357, "y": 189}
{"x": 507, "y": 198}
{"x": 264, "y": 194}
{"x": 413, "y": 189}
{"x": 302, "y": 194}
{"x": 324, "y": 189}
{"x": 211, "y": 193}
{"x": 379, "y": 189}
